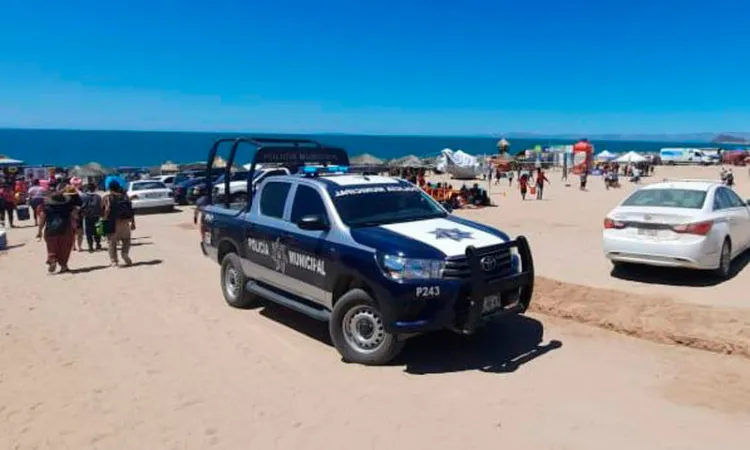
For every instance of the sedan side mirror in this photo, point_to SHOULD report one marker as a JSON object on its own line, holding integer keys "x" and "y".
{"x": 313, "y": 223}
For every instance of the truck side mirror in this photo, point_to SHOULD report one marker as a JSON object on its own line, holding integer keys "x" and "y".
{"x": 313, "y": 223}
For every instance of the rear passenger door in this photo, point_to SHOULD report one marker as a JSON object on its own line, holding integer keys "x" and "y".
{"x": 265, "y": 255}
{"x": 311, "y": 255}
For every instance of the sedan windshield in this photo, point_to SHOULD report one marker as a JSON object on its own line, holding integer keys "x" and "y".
{"x": 667, "y": 198}
{"x": 373, "y": 206}
{"x": 146, "y": 185}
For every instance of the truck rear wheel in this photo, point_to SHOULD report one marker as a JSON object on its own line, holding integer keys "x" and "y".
{"x": 358, "y": 332}
{"x": 233, "y": 281}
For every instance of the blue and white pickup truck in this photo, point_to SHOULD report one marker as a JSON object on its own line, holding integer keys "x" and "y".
{"x": 374, "y": 256}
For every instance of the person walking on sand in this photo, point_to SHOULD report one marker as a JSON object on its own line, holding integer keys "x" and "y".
{"x": 36, "y": 199}
{"x": 541, "y": 178}
{"x": 119, "y": 222}
{"x": 523, "y": 184}
{"x": 73, "y": 193}
{"x": 56, "y": 225}
{"x": 8, "y": 203}
{"x": 91, "y": 212}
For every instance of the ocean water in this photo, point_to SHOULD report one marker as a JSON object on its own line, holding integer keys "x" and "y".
{"x": 150, "y": 148}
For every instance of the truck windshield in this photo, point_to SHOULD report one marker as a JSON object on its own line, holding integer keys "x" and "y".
{"x": 369, "y": 209}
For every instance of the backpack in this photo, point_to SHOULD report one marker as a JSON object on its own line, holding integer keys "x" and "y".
{"x": 121, "y": 207}
{"x": 58, "y": 218}
{"x": 92, "y": 205}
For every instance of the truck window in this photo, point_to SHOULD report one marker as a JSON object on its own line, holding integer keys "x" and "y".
{"x": 307, "y": 202}
{"x": 273, "y": 199}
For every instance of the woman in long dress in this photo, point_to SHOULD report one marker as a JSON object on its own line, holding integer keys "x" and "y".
{"x": 56, "y": 225}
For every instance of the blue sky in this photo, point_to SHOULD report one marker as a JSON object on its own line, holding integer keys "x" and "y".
{"x": 413, "y": 67}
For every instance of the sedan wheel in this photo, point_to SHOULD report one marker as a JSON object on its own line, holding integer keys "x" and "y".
{"x": 725, "y": 260}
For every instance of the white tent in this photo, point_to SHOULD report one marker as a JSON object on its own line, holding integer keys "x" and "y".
{"x": 605, "y": 156}
{"x": 459, "y": 164}
{"x": 631, "y": 157}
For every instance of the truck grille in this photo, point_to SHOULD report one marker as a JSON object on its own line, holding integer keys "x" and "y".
{"x": 457, "y": 267}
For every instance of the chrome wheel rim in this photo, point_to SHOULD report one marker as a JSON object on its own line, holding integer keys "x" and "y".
{"x": 363, "y": 329}
{"x": 232, "y": 282}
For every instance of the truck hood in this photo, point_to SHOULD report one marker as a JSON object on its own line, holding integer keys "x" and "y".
{"x": 432, "y": 238}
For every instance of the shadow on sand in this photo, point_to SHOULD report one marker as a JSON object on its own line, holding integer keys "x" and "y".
{"x": 11, "y": 247}
{"x": 145, "y": 212}
{"x": 152, "y": 262}
{"x": 678, "y": 277}
{"x": 140, "y": 244}
{"x": 499, "y": 348}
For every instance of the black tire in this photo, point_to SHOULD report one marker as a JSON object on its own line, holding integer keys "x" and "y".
{"x": 380, "y": 346}
{"x": 233, "y": 281}
{"x": 619, "y": 265}
{"x": 725, "y": 261}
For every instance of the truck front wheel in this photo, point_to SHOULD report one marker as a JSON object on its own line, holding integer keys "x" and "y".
{"x": 358, "y": 332}
{"x": 233, "y": 281}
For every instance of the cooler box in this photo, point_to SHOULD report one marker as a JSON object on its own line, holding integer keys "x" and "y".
{"x": 23, "y": 212}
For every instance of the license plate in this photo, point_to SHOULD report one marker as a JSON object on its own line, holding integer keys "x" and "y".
{"x": 491, "y": 304}
{"x": 207, "y": 237}
{"x": 153, "y": 195}
{"x": 648, "y": 232}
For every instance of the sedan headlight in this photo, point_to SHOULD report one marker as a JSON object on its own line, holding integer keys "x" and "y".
{"x": 402, "y": 268}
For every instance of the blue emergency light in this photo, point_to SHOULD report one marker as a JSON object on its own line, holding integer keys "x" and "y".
{"x": 317, "y": 170}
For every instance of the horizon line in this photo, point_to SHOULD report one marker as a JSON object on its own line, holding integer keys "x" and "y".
{"x": 516, "y": 134}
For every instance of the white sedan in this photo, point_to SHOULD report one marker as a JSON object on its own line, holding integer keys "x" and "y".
{"x": 149, "y": 195}
{"x": 687, "y": 223}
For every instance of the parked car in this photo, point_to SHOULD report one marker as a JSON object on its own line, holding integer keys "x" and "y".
{"x": 150, "y": 195}
{"x": 166, "y": 179}
{"x": 238, "y": 187}
{"x": 187, "y": 175}
{"x": 184, "y": 193}
{"x": 699, "y": 224}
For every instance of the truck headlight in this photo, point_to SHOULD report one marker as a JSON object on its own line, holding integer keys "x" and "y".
{"x": 402, "y": 268}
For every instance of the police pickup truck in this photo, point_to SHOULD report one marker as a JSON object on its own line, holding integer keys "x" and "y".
{"x": 374, "y": 256}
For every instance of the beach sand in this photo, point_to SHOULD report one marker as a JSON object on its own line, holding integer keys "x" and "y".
{"x": 150, "y": 357}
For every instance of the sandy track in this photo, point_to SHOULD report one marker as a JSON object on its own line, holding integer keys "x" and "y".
{"x": 150, "y": 357}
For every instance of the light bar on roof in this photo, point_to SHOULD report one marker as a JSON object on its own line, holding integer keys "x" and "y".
{"x": 316, "y": 170}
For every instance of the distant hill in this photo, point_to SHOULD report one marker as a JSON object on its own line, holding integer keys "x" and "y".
{"x": 729, "y": 139}
{"x": 724, "y": 137}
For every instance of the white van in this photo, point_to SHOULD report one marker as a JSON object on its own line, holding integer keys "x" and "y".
{"x": 672, "y": 156}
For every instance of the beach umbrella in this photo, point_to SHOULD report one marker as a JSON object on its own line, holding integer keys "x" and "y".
{"x": 169, "y": 167}
{"x": 9, "y": 162}
{"x": 407, "y": 162}
{"x": 365, "y": 160}
{"x": 503, "y": 146}
{"x": 430, "y": 162}
{"x": 605, "y": 156}
{"x": 631, "y": 157}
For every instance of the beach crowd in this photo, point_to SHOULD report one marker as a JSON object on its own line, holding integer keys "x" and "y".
{"x": 65, "y": 211}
